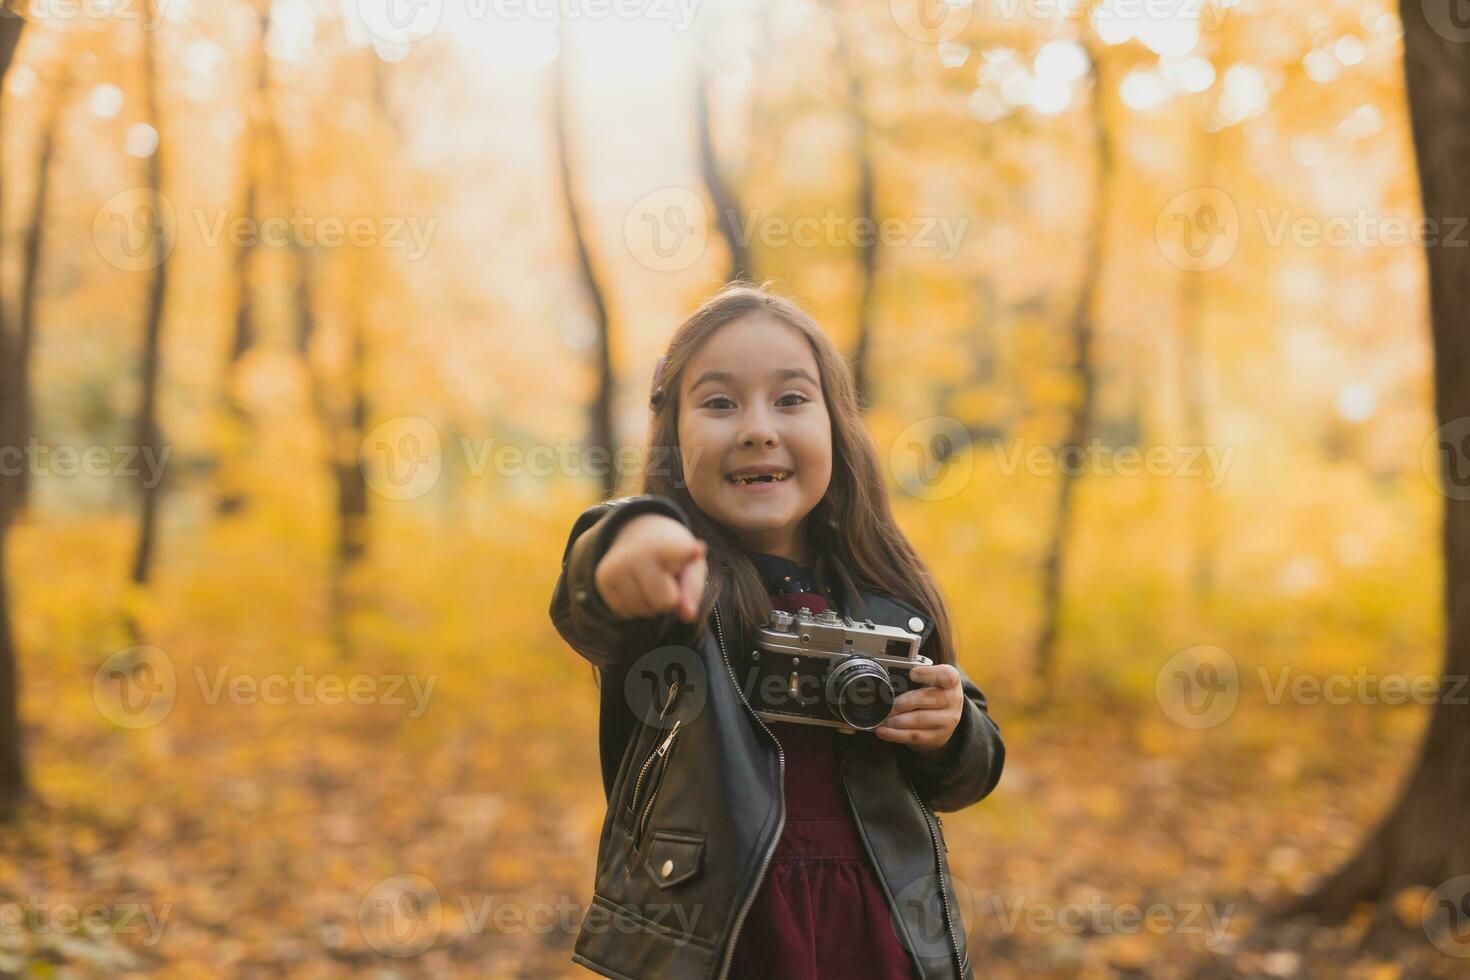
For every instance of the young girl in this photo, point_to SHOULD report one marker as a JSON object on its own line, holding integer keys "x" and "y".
{"x": 733, "y": 846}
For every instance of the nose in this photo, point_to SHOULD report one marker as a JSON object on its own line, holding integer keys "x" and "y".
{"x": 756, "y": 428}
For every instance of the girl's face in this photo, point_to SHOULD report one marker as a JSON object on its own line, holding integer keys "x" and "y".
{"x": 750, "y": 403}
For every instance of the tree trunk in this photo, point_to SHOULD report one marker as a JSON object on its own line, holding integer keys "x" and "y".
{"x": 19, "y": 377}
{"x": 865, "y": 218}
{"x": 12, "y": 760}
{"x": 232, "y": 497}
{"x": 1080, "y": 424}
{"x": 601, "y": 424}
{"x": 1425, "y": 837}
{"x": 352, "y": 492}
{"x": 727, "y": 208}
{"x": 149, "y": 437}
{"x": 1193, "y": 376}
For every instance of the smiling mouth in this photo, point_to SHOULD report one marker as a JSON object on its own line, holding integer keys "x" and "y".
{"x": 746, "y": 479}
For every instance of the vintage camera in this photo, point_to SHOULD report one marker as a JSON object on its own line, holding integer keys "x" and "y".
{"x": 828, "y": 669}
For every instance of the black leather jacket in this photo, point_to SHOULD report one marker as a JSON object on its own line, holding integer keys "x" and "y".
{"x": 695, "y": 791}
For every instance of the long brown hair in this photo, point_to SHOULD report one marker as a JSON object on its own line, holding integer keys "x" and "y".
{"x": 851, "y": 531}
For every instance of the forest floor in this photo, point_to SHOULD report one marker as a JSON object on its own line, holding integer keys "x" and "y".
{"x": 445, "y": 821}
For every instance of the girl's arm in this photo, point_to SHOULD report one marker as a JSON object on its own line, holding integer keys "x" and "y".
{"x": 578, "y": 611}
{"x": 972, "y": 762}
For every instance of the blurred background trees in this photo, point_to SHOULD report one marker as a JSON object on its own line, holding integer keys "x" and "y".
{"x": 321, "y": 325}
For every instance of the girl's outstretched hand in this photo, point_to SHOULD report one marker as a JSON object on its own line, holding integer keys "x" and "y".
{"x": 925, "y": 717}
{"x": 654, "y": 566}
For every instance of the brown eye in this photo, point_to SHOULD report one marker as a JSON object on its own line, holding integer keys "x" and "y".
{"x": 710, "y": 403}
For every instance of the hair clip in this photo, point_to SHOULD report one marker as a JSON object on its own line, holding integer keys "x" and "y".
{"x": 655, "y": 391}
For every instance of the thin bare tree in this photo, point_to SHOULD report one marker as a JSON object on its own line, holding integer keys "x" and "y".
{"x": 32, "y": 250}
{"x": 601, "y": 440}
{"x": 231, "y": 494}
{"x": 339, "y": 449}
{"x": 722, "y": 196}
{"x": 13, "y": 788}
{"x": 1084, "y": 371}
{"x": 149, "y": 438}
{"x": 864, "y": 216}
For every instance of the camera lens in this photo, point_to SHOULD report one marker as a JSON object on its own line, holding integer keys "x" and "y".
{"x": 860, "y": 693}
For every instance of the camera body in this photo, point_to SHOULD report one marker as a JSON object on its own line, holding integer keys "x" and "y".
{"x": 828, "y": 669}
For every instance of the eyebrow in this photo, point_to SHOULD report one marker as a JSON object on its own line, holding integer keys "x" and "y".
{"x": 783, "y": 374}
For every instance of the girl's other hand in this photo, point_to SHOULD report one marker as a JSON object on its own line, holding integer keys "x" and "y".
{"x": 654, "y": 566}
{"x": 925, "y": 717}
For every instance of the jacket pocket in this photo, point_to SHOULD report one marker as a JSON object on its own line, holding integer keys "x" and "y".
{"x": 673, "y": 857}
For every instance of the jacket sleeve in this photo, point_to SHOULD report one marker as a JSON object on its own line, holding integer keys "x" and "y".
{"x": 578, "y": 612}
{"x": 973, "y": 759}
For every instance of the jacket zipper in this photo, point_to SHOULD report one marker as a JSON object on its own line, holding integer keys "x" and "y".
{"x": 781, "y": 802}
{"x": 648, "y": 763}
{"x": 954, "y": 943}
{"x": 660, "y": 752}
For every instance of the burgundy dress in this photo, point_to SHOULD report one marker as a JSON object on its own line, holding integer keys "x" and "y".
{"x": 820, "y": 913}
